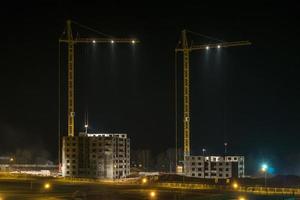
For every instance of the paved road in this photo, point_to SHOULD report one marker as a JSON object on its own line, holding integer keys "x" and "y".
{"x": 16, "y": 189}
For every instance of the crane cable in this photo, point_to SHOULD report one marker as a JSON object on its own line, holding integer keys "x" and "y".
{"x": 205, "y": 36}
{"x": 91, "y": 29}
{"x": 176, "y": 114}
{"x": 225, "y": 137}
{"x": 59, "y": 107}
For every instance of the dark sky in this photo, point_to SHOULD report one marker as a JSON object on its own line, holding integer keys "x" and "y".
{"x": 248, "y": 96}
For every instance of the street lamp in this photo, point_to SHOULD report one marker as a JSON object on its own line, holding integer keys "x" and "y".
{"x": 152, "y": 194}
{"x": 86, "y": 128}
{"x": 144, "y": 180}
{"x": 235, "y": 185}
{"x": 203, "y": 151}
{"x": 47, "y": 186}
{"x": 264, "y": 169}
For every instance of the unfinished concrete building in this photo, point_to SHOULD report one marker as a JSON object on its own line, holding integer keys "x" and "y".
{"x": 220, "y": 167}
{"x": 96, "y": 155}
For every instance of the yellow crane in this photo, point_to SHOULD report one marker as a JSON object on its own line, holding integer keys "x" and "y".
{"x": 186, "y": 48}
{"x": 70, "y": 43}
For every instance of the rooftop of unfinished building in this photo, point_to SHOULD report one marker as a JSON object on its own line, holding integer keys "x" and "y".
{"x": 119, "y": 135}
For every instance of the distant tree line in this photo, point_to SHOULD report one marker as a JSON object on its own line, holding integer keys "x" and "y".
{"x": 26, "y": 156}
{"x": 144, "y": 160}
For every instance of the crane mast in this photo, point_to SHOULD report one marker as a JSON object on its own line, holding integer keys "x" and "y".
{"x": 186, "y": 94}
{"x": 71, "y": 112}
{"x": 185, "y": 48}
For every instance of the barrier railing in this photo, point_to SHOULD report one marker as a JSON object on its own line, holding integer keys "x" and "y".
{"x": 270, "y": 190}
{"x": 250, "y": 189}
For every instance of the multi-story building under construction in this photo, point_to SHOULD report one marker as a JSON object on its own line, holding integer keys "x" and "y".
{"x": 96, "y": 155}
{"x": 220, "y": 167}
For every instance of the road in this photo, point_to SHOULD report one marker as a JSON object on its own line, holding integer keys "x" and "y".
{"x": 33, "y": 189}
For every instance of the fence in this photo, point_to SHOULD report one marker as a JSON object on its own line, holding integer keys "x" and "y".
{"x": 270, "y": 190}
{"x": 255, "y": 189}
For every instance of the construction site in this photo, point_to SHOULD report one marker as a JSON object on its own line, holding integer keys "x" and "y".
{"x": 107, "y": 155}
{"x": 119, "y": 100}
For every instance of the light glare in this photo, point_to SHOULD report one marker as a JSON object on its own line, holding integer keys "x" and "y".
{"x": 94, "y": 41}
{"x": 152, "y": 194}
{"x": 112, "y": 41}
{"x": 47, "y": 186}
{"x": 264, "y": 167}
{"x": 144, "y": 180}
{"x": 133, "y": 41}
{"x": 207, "y": 47}
{"x": 235, "y": 185}
{"x": 219, "y": 46}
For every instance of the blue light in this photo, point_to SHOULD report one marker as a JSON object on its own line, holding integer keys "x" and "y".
{"x": 264, "y": 166}
{"x": 271, "y": 170}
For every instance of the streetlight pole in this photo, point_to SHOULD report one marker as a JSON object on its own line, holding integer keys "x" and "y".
{"x": 264, "y": 168}
{"x": 265, "y": 178}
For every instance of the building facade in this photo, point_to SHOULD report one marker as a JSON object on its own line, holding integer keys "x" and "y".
{"x": 220, "y": 167}
{"x": 96, "y": 155}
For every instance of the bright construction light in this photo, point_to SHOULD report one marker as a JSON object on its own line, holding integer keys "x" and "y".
{"x": 235, "y": 185}
{"x": 152, "y": 194}
{"x": 207, "y": 47}
{"x": 47, "y": 186}
{"x": 94, "y": 41}
{"x": 241, "y": 198}
{"x": 219, "y": 46}
{"x": 112, "y": 41}
{"x": 86, "y": 125}
{"x": 133, "y": 41}
{"x": 144, "y": 180}
{"x": 11, "y": 159}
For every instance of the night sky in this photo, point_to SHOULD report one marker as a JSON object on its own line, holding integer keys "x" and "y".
{"x": 247, "y": 96}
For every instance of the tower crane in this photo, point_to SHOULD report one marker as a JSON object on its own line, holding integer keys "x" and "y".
{"x": 70, "y": 41}
{"x": 185, "y": 47}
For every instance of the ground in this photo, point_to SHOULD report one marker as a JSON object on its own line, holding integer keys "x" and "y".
{"x": 34, "y": 189}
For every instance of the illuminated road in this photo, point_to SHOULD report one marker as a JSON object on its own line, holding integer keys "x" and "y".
{"x": 36, "y": 190}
